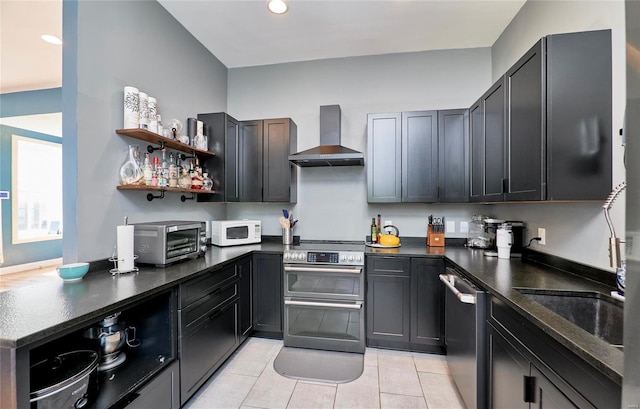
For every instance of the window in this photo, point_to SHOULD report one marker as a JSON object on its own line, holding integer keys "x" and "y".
{"x": 36, "y": 187}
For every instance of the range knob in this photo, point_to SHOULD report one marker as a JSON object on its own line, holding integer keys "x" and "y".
{"x": 343, "y": 257}
{"x": 286, "y": 256}
{"x": 351, "y": 257}
{"x": 358, "y": 257}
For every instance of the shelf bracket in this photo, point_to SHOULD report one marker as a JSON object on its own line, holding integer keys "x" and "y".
{"x": 151, "y": 149}
{"x": 150, "y": 196}
{"x": 192, "y": 156}
{"x": 184, "y": 198}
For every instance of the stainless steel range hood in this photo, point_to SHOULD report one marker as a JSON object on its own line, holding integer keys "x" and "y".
{"x": 330, "y": 152}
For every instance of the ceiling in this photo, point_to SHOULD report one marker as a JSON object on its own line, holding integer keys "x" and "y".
{"x": 243, "y": 33}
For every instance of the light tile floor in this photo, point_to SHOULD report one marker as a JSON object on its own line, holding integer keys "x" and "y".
{"x": 391, "y": 379}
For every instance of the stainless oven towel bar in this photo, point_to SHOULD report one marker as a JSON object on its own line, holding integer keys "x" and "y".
{"x": 465, "y": 298}
{"x": 355, "y": 306}
{"x": 323, "y": 269}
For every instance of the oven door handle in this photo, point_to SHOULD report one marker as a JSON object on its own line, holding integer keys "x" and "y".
{"x": 355, "y": 306}
{"x": 306, "y": 269}
{"x": 465, "y": 298}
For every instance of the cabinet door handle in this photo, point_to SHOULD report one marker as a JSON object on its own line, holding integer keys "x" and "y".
{"x": 465, "y": 298}
{"x": 354, "y": 306}
{"x": 221, "y": 310}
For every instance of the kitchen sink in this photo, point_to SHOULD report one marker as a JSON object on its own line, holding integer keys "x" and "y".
{"x": 596, "y": 313}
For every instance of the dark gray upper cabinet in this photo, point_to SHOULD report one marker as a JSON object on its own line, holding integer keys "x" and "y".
{"x": 250, "y": 161}
{"x": 525, "y": 107}
{"x": 494, "y": 142}
{"x": 279, "y": 175}
{"x": 384, "y": 158}
{"x": 545, "y": 127}
{"x": 419, "y": 156}
{"x": 453, "y": 157}
{"x": 476, "y": 154}
{"x": 578, "y": 110}
{"x": 414, "y": 158}
{"x": 265, "y": 173}
{"x": 222, "y": 130}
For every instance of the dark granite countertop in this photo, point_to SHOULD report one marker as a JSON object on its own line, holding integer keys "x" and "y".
{"x": 32, "y": 314}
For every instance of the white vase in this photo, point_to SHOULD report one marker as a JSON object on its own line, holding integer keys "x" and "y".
{"x": 131, "y": 106}
{"x": 143, "y": 110}
{"x": 152, "y": 115}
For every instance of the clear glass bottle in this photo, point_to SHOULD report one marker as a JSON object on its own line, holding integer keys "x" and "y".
{"x": 146, "y": 170}
{"x": 173, "y": 172}
{"x": 130, "y": 172}
{"x": 164, "y": 170}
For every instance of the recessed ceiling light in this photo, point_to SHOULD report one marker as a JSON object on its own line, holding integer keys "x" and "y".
{"x": 278, "y": 6}
{"x": 51, "y": 39}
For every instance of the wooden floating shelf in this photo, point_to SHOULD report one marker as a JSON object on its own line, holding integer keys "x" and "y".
{"x": 164, "y": 188}
{"x": 152, "y": 137}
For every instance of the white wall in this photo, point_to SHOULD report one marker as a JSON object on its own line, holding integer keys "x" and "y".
{"x": 332, "y": 202}
{"x": 574, "y": 231}
{"x": 125, "y": 43}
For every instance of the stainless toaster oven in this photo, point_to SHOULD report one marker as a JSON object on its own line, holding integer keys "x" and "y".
{"x": 163, "y": 243}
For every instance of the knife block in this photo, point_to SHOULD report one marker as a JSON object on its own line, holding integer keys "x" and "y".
{"x": 434, "y": 239}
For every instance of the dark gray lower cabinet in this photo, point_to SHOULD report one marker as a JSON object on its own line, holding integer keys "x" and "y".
{"x": 427, "y": 302}
{"x": 388, "y": 300}
{"x": 268, "y": 294}
{"x": 208, "y": 326}
{"x": 246, "y": 297}
{"x": 529, "y": 369}
{"x": 160, "y": 393}
{"x": 405, "y": 303}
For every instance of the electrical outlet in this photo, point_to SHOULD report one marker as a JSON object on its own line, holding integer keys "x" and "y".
{"x": 542, "y": 233}
{"x": 464, "y": 227}
{"x": 387, "y": 223}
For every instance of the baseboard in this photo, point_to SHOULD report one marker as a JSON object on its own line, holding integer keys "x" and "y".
{"x": 30, "y": 266}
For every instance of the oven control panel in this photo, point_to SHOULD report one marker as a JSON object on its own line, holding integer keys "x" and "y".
{"x": 349, "y": 258}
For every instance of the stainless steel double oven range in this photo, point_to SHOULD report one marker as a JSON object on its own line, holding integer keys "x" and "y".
{"x": 324, "y": 296}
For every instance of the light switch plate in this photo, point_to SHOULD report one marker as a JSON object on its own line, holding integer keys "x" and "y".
{"x": 451, "y": 226}
{"x": 464, "y": 227}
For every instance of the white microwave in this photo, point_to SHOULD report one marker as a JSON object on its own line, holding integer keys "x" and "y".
{"x": 235, "y": 232}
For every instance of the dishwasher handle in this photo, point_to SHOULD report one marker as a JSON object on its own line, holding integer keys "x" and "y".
{"x": 465, "y": 298}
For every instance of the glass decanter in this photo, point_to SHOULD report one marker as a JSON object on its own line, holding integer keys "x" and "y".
{"x": 130, "y": 171}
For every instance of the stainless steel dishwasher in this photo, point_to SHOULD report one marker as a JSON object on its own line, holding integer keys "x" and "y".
{"x": 465, "y": 315}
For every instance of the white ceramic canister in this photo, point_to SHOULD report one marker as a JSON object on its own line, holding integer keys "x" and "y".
{"x": 504, "y": 240}
{"x": 143, "y": 110}
{"x": 152, "y": 114}
{"x": 131, "y": 106}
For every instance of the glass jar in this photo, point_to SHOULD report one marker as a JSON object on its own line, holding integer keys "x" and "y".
{"x": 476, "y": 237}
{"x": 130, "y": 171}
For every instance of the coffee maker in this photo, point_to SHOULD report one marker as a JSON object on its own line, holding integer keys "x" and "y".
{"x": 490, "y": 227}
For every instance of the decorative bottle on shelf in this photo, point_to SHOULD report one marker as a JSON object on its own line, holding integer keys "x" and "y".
{"x": 185, "y": 180}
{"x": 173, "y": 172}
{"x": 164, "y": 170}
{"x": 146, "y": 171}
{"x": 130, "y": 172}
{"x": 155, "y": 171}
{"x": 207, "y": 183}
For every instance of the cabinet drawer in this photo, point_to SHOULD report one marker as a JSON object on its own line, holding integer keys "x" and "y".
{"x": 204, "y": 307}
{"x": 162, "y": 392}
{"x": 205, "y": 348}
{"x": 388, "y": 265}
{"x": 198, "y": 287}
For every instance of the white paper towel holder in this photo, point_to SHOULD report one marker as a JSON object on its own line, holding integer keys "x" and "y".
{"x": 115, "y": 259}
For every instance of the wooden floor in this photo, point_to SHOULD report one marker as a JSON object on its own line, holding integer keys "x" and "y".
{"x": 25, "y": 278}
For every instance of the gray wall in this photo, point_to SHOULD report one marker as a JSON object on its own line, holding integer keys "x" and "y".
{"x": 574, "y": 231}
{"x": 332, "y": 202}
{"x": 120, "y": 43}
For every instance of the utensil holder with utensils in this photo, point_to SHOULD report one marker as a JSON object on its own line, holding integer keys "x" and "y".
{"x": 435, "y": 238}
{"x": 287, "y": 236}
